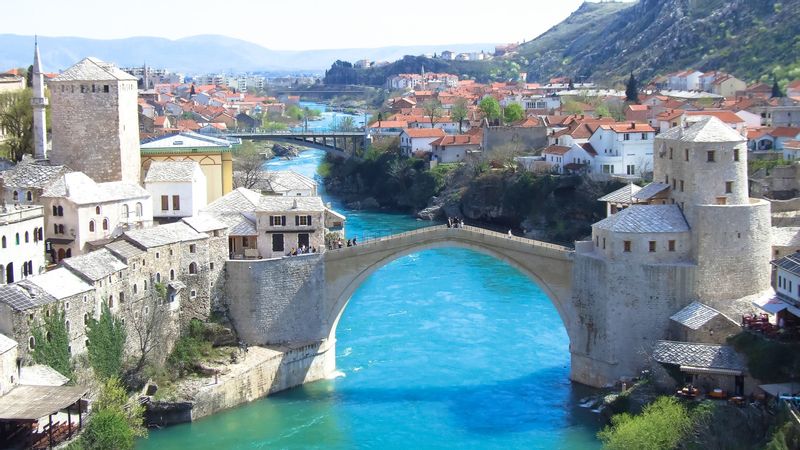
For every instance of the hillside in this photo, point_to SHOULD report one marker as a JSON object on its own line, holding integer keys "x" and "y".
{"x": 205, "y": 53}
{"x": 606, "y": 41}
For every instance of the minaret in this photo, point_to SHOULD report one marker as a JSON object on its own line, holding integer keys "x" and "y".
{"x": 39, "y": 104}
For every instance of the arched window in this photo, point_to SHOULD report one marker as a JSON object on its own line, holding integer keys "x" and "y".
{"x": 125, "y": 211}
{"x": 193, "y": 268}
{"x": 110, "y": 301}
{"x": 69, "y": 253}
{"x": 91, "y": 226}
{"x": 27, "y": 237}
{"x": 15, "y": 195}
{"x": 171, "y": 274}
{"x": 66, "y": 325}
{"x": 158, "y": 278}
{"x": 60, "y": 229}
{"x": 29, "y": 196}
{"x": 35, "y": 235}
{"x": 97, "y": 210}
{"x": 61, "y": 254}
{"x": 41, "y": 233}
{"x": 31, "y": 343}
{"x": 55, "y": 210}
{"x": 139, "y": 209}
{"x": 121, "y": 297}
{"x": 4, "y": 243}
{"x": 60, "y": 210}
{"x": 144, "y": 287}
{"x": 105, "y": 224}
{"x": 17, "y": 238}
{"x": 86, "y": 318}
{"x": 55, "y": 229}
{"x": 135, "y": 289}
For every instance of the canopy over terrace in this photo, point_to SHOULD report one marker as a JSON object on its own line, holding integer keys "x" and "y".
{"x": 31, "y": 403}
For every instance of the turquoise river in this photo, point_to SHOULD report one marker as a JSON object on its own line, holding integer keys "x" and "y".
{"x": 446, "y": 348}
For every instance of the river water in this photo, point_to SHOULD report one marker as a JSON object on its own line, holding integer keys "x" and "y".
{"x": 445, "y": 348}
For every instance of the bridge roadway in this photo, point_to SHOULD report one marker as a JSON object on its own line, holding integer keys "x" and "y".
{"x": 344, "y": 144}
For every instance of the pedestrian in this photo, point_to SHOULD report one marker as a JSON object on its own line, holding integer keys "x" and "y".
{"x": 349, "y": 243}
{"x": 509, "y": 232}
{"x": 354, "y": 242}
{"x": 449, "y": 222}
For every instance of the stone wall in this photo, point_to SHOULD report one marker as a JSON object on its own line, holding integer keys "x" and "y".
{"x": 276, "y": 301}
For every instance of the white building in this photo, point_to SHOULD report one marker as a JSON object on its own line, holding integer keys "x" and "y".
{"x": 623, "y": 149}
{"x": 418, "y": 140}
{"x": 450, "y": 149}
{"x": 177, "y": 188}
{"x": 291, "y": 184}
{"x": 81, "y": 214}
{"x": 21, "y": 242}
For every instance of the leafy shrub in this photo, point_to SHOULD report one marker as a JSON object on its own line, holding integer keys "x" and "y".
{"x": 661, "y": 425}
{"x": 52, "y": 342}
{"x": 106, "y": 344}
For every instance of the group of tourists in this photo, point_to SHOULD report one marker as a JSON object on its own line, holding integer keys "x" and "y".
{"x": 341, "y": 243}
{"x": 455, "y": 222}
{"x": 303, "y": 250}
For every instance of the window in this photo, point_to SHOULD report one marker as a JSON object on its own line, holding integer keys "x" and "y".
{"x": 121, "y": 297}
{"x": 144, "y": 286}
{"x": 105, "y": 88}
{"x": 736, "y": 154}
{"x": 60, "y": 210}
{"x": 17, "y": 238}
{"x": 302, "y": 220}
{"x": 91, "y": 225}
{"x": 710, "y": 156}
{"x": 192, "y": 293}
{"x": 105, "y": 224}
{"x": 165, "y": 202}
{"x": 31, "y": 343}
{"x": 686, "y": 154}
{"x": 66, "y": 325}
{"x": 158, "y": 278}
{"x": 15, "y": 195}
{"x": 61, "y": 229}
{"x": 86, "y": 319}
{"x": 172, "y": 274}
{"x": 644, "y": 136}
{"x": 652, "y": 246}
{"x": 29, "y": 196}
{"x": 110, "y": 301}
{"x": 626, "y": 137}
{"x": 245, "y": 241}
{"x": 674, "y": 184}
{"x": 171, "y": 252}
{"x": 670, "y": 153}
{"x": 192, "y": 248}
{"x": 211, "y": 266}
{"x": 4, "y": 243}
{"x": 277, "y": 242}
{"x": 97, "y": 210}
{"x": 604, "y": 243}
{"x": 66, "y": 306}
{"x": 135, "y": 288}
{"x": 55, "y": 210}
{"x": 158, "y": 254}
{"x": 125, "y": 211}
{"x": 176, "y": 202}
{"x": 139, "y": 209}
{"x": 681, "y": 183}
{"x": 626, "y": 245}
{"x": 27, "y": 237}
{"x": 671, "y": 245}
{"x": 729, "y": 187}
{"x": 666, "y": 179}
{"x": 597, "y": 241}
{"x": 631, "y": 169}
{"x": 277, "y": 221}
{"x": 193, "y": 268}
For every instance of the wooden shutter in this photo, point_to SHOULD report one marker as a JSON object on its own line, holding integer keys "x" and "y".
{"x": 283, "y": 221}
{"x": 296, "y": 220}
{"x": 271, "y": 221}
{"x": 308, "y": 221}
{"x": 164, "y": 202}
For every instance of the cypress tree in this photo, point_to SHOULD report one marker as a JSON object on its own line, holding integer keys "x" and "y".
{"x": 632, "y": 90}
{"x": 776, "y": 90}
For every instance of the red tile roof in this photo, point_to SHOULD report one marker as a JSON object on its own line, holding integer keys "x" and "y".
{"x": 459, "y": 139}
{"x": 556, "y": 150}
{"x": 424, "y": 132}
{"x": 725, "y": 116}
{"x": 789, "y": 132}
{"x": 632, "y": 127}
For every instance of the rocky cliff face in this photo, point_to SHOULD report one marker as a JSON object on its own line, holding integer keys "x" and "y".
{"x": 606, "y": 41}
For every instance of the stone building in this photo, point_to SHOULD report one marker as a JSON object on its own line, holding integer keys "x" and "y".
{"x": 25, "y": 182}
{"x": 82, "y": 215}
{"x": 684, "y": 242}
{"x": 95, "y": 122}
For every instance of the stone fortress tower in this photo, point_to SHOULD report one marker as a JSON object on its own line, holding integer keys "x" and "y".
{"x": 95, "y": 121}
{"x": 691, "y": 235}
{"x": 39, "y": 104}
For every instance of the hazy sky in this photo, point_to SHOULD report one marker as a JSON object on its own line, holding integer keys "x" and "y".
{"x": 294, "y": 24}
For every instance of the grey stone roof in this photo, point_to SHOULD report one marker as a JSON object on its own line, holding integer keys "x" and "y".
{"x": 695, "y": 315}
{"x": 650, "y": 191}
{"x": 646, "y": 219}
{"x": 124, "y": 249}
{"x": 786, "y": 236}
{"x": 60, "y": 283}
{"x": 706, "y": 129}
{"x": 286, "y": 180}
{"x": 204, "y": 223}
{"x": 41, "y": 375}
{"x": 236, "y": 201}
{"x": 706, "y": 356}
{"x": 24, "y": 295}
{"x": 28, "y": 174}
{"x": 6, "y": 343}
{"x": 95, "y": 265}
{"x": 163, "y": 235}
{"x": 245, "y": 227}
{"x": 621, "y": 195}
{"x": 93, "y": 69}
{"x": 171, "y": 171}
{"x": 82, "y": 190}
{"x": 789, "y": 263}
{"x": 276, "y": 204}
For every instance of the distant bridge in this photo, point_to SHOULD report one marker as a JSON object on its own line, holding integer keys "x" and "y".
{"x": 345, "y": 144}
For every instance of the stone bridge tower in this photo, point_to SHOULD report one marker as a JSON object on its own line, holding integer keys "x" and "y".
{"x": 95, "y": 121}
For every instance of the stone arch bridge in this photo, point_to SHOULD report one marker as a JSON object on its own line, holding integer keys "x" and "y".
{"x": 293, "y": 300}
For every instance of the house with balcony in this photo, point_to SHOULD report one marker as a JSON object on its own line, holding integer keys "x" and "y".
{"x": 623, "y": 149}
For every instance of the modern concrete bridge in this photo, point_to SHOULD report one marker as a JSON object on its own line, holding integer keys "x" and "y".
{"x": 345, "y": 144}
{"x": 302, "y": 298}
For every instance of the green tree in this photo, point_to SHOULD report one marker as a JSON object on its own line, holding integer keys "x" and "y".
{"x": 459, "y": 112}
{"x": 632, "y": 90}
{"x": 52, "y": 342}
{"x": 513, "y": 113}
{"x": 602, "y": 110}
{"x": 248, "y": 166}
{"x": 16, "y": 122}
{"x": 346, "y": 123}
{"x": 662, "y": 425}
{"x": 571, "y": 107}
{"x": 106, "y": 344}
{"x": 116, "y": 420}
{"x": 490, "y": 108}
{"x": 433, "y": 110}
